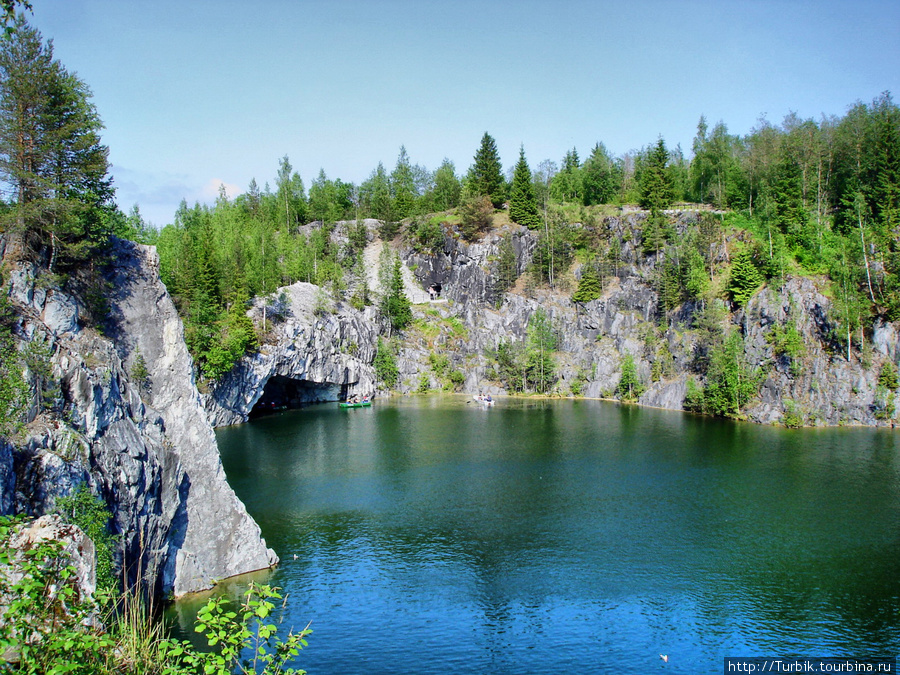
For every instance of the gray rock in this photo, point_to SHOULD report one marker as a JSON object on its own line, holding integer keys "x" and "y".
{"x": 149, "y": 452}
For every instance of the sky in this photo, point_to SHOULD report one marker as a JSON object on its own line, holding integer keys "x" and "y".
{"x": 195, "y": 94}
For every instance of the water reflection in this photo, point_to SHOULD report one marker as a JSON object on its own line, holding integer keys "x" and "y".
{"x": 436, "y": 534}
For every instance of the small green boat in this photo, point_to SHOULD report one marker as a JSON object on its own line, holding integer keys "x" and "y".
{"x": 360, "y": 404}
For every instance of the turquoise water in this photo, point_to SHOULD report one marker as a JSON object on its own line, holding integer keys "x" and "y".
{"x": 433, "y": 535}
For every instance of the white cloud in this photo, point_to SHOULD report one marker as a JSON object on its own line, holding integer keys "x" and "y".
{"x": 211, "y": 190}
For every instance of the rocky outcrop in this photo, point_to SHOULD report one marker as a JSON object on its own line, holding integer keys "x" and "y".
{"x": 76, "y": 550}
{"x": 146, "y": 447}
{"x": 319, "y": 352}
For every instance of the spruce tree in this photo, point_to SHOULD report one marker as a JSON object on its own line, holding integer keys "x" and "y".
{"x": 657, "y": 191}
{"x": 589, "y": 286}
{"x": 395, "y": 303}
{"x": 487, "y": 173}
{"x": 745, "y": 277}
{"x": 522, "y": 204}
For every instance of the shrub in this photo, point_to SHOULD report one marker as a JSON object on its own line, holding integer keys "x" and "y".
{"x": 386, "y": 364}
{"x": 476, "y": 216}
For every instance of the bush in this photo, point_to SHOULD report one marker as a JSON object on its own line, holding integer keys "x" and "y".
{"x": 888, "y": 378}
{"x": 629, "y": 387}
{"x": 89, "y": 512}
{"x": 48, "y": 627}
{"x": 386, "y": 364}
{"x": 476, "y": 215}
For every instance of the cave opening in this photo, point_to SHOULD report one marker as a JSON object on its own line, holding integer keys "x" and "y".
{"x": 283, "y": 393}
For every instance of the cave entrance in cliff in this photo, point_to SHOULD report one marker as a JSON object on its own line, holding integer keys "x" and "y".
{"x": 282, "y": 393}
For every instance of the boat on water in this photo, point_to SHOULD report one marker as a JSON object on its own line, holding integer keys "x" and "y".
{"x": 356, "y": 404}
{"x": 484, "y": 400}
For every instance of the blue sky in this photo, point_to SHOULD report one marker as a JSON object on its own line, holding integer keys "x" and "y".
{"x": 198, "y": 93}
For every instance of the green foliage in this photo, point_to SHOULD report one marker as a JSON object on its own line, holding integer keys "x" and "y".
{"x": 424, "y": 384}
{"x": 522, "y": 204}
{"x": 52, "y": 629}
{"x": 43, "y": 620}
{"x": 540, "y": 368}
{"x": 887, "y": 376}
{"x": 745, "y": 278}
{"x": 486, "y": 175}
{"x": 426, "y": 234}
{"x": 507, "y": 266}
{"x": 455, "y": 380}
{"x": 731, "y": 382}
{"x": 567, "y": 185}
{"x": 787, "y": 343}
{"x": 555, "y": 250}
{"x": 13, "y": 389}
{"x": 794, "y": 416}
{"x": 50, "y": 152}
{"x": 245, "y": 641}
{"x": 447, "y": 188}
{"x": 629, "y": 387}
{"x": 385, "y": 363}
{"x": 884, "y": 405}
{"x": 600, "y": 177}
{"x": 589, "y": 286}
{"x": 395, "y": 304}
{"x": 657, "y": 191}
{"x": 476, "y": 216}
{"x": 37, "y": 355}
{"x": 440, "y": 363}
{"x": 89, "y": 512}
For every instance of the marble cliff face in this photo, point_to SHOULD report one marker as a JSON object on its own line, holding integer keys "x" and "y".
{"x": 146, "y": 447}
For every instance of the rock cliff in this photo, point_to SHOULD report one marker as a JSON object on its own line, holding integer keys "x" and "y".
{"x": 331, "y": 354}
{"x": 145, "y": 446}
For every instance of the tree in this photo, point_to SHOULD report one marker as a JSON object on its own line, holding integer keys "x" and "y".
{"x": 745, "y": 277}
{"x": 567, "y": 184}
{"x": 476, "y": 216}
{"x": 447, "y": 188}
{"x": 8, "y": 12}
{"x": 598, "y": 180}
{"x": 542, "y": 341}
{"x": 375, "y": 195}
{"x": 730, "y": 382}
{"x": 629, "y": 387}
{"x": 487, "y": 172}
{"x": 290, "y": 194}
{"x": 507, "y": 266}
{"x": 395, "y": 304}
{"x": 386, "y": 364}
{"x": 589, "y": 286}
{"x": 522, "y": 205}
{"x": 655, "y": 181}
{"x": 403, "y": 187}
{"x": 50, "y": 150}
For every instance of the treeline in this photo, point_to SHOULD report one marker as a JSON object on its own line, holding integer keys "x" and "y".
{"x": 818, "y": 196}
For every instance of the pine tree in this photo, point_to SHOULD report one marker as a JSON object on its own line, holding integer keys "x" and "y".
{"x": 487, "y": 172}
{"x": 522, "y": 204}
{"x": 589, "y": 286}
{"x": 50, "y": 150}
{"x": 395, "y": 304}
{"x": 629, "y": 387}
{"x": 656, "y": 187}
{"x": 745, "y": 277}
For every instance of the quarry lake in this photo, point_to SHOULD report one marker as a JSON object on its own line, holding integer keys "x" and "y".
{"x": 433, "y": 535}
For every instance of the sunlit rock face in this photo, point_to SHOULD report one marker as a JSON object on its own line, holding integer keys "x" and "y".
{"x": 147, "y": 448}
{"x": 313, "y": 354}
